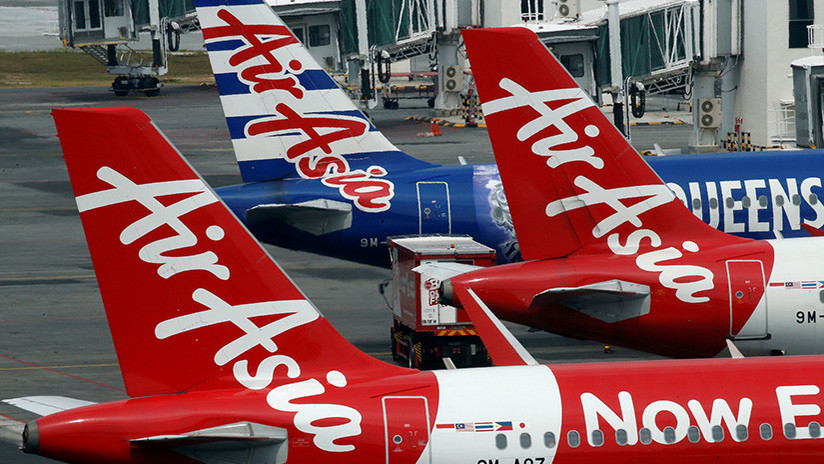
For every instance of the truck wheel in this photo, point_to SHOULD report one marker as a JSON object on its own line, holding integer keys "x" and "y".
{"x": 121, "y": 86}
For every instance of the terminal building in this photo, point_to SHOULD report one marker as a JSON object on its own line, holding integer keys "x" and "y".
{"x": 733, "y": 60}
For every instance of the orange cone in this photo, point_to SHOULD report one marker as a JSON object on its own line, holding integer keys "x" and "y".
{"x": 434, "y": 127}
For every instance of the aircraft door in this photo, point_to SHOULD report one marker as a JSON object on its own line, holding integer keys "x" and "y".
{"x": 748, "y": 301}
{"x": 406, "y": 429}
{"x": 434, "y": 209}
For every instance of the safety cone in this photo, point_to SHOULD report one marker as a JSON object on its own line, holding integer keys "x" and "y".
{"x": 434, "y": 127}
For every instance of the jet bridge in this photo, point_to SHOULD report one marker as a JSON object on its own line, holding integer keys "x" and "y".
{"x": 105, "y": 29}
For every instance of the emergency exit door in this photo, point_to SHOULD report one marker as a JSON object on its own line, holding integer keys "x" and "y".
{"x": 748, "y": 302}
{"x": 434, "y": 210}
{"x": 406, "y": 429}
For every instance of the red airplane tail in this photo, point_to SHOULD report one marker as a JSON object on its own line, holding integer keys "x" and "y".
{"x": 579, "y": 181}
{"x": 193, "y": 301}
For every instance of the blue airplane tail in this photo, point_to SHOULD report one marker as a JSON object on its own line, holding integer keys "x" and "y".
{"x": 286, "y": 116}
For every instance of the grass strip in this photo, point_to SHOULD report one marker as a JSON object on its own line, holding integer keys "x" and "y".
{"x": 73, "y": 68}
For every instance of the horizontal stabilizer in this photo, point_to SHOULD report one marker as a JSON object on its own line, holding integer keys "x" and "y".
{"x": 504, "y": 348}
{"x": 45, "y": 405}
{"x": 318, "y": 217}
{"x": 244, "y": 442}
{"x": 444, "y": 270}
{"x": 610, "y": 301}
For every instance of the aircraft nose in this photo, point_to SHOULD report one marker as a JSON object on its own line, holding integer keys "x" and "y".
{"x": 31, "y": 438}
{"x": 446, "y": 293}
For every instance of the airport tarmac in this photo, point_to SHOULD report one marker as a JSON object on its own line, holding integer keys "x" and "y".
{"x": 54, "y": 339}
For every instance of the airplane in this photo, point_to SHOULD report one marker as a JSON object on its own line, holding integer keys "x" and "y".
{"x": 225, "y": 360}
{"x": 320, "y": 177}
{"x": 612, "y": 254}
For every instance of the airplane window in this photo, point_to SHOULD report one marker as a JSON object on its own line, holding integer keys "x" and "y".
{"x": 779, "y": 200}
{"x": 745, "y": 202}
{"x": 730, "y": 202}
{"x": 526, "y": 440}
{"x": 717, "y": 433}
{"x": 713, "y": 203}
{"x": 766, "y": 431}
{"x": 741, "y": 432}
{"x": 500, "y": 441}
{"x": 597, "y": 438}
{"x": 696, "y": 203}
{"x": 815, "y": 429}
{"x": 821, "y": 296}
{"x": 549, "y": 440}
{"x": 762, "y": 200}
{"x": 621, "y": 437}
{"x": 645, "y": 436}
{"x": 796, "y": 200}
{"x": 813, "y": 198}
{"x": 789, "y": 430}
{"x": 669, "y": 434}
{"x": 693, "y": 434}
{"x": 573, "y": 439}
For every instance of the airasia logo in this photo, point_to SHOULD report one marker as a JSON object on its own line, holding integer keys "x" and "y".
{"x": 552, "y": 106}
{"x": 169, "y": 252}
{"x": 310, "y": 137}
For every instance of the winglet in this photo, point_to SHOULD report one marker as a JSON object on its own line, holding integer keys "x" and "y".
{"x": 504, "y": 348}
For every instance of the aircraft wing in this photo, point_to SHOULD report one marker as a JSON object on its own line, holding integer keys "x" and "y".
{"x": 45, "y": 405}
{"x": 610, "y": 301}
{"x": 318, "y": 217}
{"x": 504, "y": 348}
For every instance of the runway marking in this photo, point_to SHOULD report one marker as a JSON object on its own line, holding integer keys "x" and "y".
{"x": 12, "y": 418}
{"x": 61, "y": 373}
